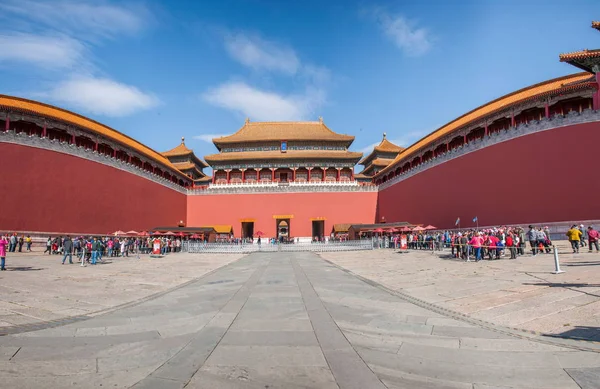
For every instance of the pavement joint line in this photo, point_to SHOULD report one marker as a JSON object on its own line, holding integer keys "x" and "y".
{"x": 299, "y": 271}
{"x": 46, "y": 324}
{"x": 252, "y": 280}
{"x": 511, "y": 331}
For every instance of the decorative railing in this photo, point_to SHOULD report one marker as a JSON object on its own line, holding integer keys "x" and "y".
{"x": 24, "y": 139}
{"x": 244, "y": 248}
{"x": 545, "y": 124}
{"x": 289, "y": 187}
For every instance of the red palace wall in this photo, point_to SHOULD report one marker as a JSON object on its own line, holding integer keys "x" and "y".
{"x": 47, "y": 191}
{"x": 335, "y": 207}
{"x": 548, "y": 176}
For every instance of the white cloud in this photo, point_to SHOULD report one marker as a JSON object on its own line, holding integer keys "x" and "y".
{"x": 102, "y": 96}
{"x": 411, "y": 40}
{"x": 259, "y": 104}
{"x": 208, "y": 137}
{"x": 52, "y": 52}
{"x": 81, "y": 17}
{"x": 257, "y": 53}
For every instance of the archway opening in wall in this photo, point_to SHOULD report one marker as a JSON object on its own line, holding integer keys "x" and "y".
{"x": 283, "y": 229}
{"x": 247, "y": 230}
{"x": 318, "y": 229}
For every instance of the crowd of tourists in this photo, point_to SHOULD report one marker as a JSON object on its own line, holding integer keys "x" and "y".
{"x": 89, "y": 249}
{"x": 494, "y": 242}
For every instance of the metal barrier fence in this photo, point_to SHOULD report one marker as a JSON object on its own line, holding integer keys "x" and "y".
{"x": 227, "y": 248}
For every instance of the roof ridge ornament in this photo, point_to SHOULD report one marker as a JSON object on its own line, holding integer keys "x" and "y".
{"x": 384, "y": 135}
{"x": 183, "y": 140}
{"x": 321, "y": 119}
{"x": 247, "y": 120}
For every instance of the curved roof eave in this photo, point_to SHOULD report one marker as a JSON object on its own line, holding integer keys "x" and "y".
{"x": 501, "y": 103}
{"x": 47, "y": 110}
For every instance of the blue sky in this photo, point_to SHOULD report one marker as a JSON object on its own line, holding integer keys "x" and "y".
{"x": 161, "y": 70}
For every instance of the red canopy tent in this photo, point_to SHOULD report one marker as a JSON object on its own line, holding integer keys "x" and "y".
{"x": 418, "y": 228}
{"x": 169, "y": 233}
{"x": 132, "y": 232}
{"x": 405, "y": 229}
{"x": 119, "y": 233}
{"x": 195, "y": 236}
{"x": 259, "y": 233}
{"x": 430, "y": 227}
{"x": 393, "y": 229}
{"x": 180, "y": 234}
{"x": 144, "y": 233}
{"x": 379, "y": 230}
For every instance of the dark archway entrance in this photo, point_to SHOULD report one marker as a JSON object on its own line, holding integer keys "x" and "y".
{"x": 318, "y": 229}
{"x": 247, "y": 230}
{"x": 283, "y": 229}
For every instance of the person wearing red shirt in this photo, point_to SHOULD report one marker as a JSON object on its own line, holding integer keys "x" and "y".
{"x": 593, "y": 237}
{"x": 510, "y": 243}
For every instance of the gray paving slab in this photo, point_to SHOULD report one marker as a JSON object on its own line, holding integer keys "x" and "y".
{"x": 586, "y": 378}
{"x": 290, "y": 321}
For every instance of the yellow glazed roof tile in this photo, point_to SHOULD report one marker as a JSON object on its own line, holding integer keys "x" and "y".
{"x": 42, "y": 109}
{"x": 488, "y": 108}
{"x": 275, "y": 154}
{"x": 282, "y": 131}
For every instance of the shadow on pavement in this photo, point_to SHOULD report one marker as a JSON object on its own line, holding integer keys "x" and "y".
{"x": 563, "y": 285}
{"x": 580, "y": 333}
{"x": 23, "y": 268}
{"x": 583, "y": 263}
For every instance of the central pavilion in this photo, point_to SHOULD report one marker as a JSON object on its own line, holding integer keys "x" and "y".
{"x": 282, "y": 152}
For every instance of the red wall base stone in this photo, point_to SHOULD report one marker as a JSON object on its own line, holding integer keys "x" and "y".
{"x": 43, "y": 190}
{"x": 544, "y": 177}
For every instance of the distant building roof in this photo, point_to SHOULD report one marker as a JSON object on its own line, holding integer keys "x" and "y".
{"x": 385, "y": 146}
{"x": 291, "y": 154}
{"x": 181, "y": 151}
{"x": 596, "y": 25}
{"x": 282, "y": 131}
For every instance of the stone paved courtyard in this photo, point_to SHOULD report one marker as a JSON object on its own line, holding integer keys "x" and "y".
{"x": 279, "y": 320}
{"x": 522, "y": 293}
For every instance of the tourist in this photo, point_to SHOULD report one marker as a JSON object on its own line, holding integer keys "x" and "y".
{"x": 511, "y": 244}
{"x": 48, "y": 246}
{"x": 593, "y": 238}
{"x": 124, "y": 248}
{"x": 476, "y": 241}
{"x": 582, "y": 230}
{"x": 95, "y": 248}
{"x": 3, "y": 244}
{"x": 532, "y": 237}
{"x": 28, "y": 242}
{"x": 12, "y": 243}
{"x": 110, "y": 245}
{"x": 21, "y": 241}
{"x": 67, "y": 250}
{"x": 574, "y": 235}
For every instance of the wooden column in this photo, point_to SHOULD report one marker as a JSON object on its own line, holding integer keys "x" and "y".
{"x": 486, "y": 129}
{"x": 465, "y": 140}
{"x": 294, "y": 174}
{"x": 96, "y": 146}
{"x": 447, "y": 147}
{"x": 547, "y": 110}
{"x": 512, "y": 119}
{"x": 272, "y": 174}
{"x": 129, "y": 159}
{"x": 228, "y": 175}
{"x": 214, "y": 175}
{"x": 7, "y": 124}
{"x": 338, "y": 174}
{"x": 73, "y": 139}
{"x": 309, "y": 170}
{"x": 243, "y": 175}
{"x": 115, "y": 153}
{"x": 44, "y": 131}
